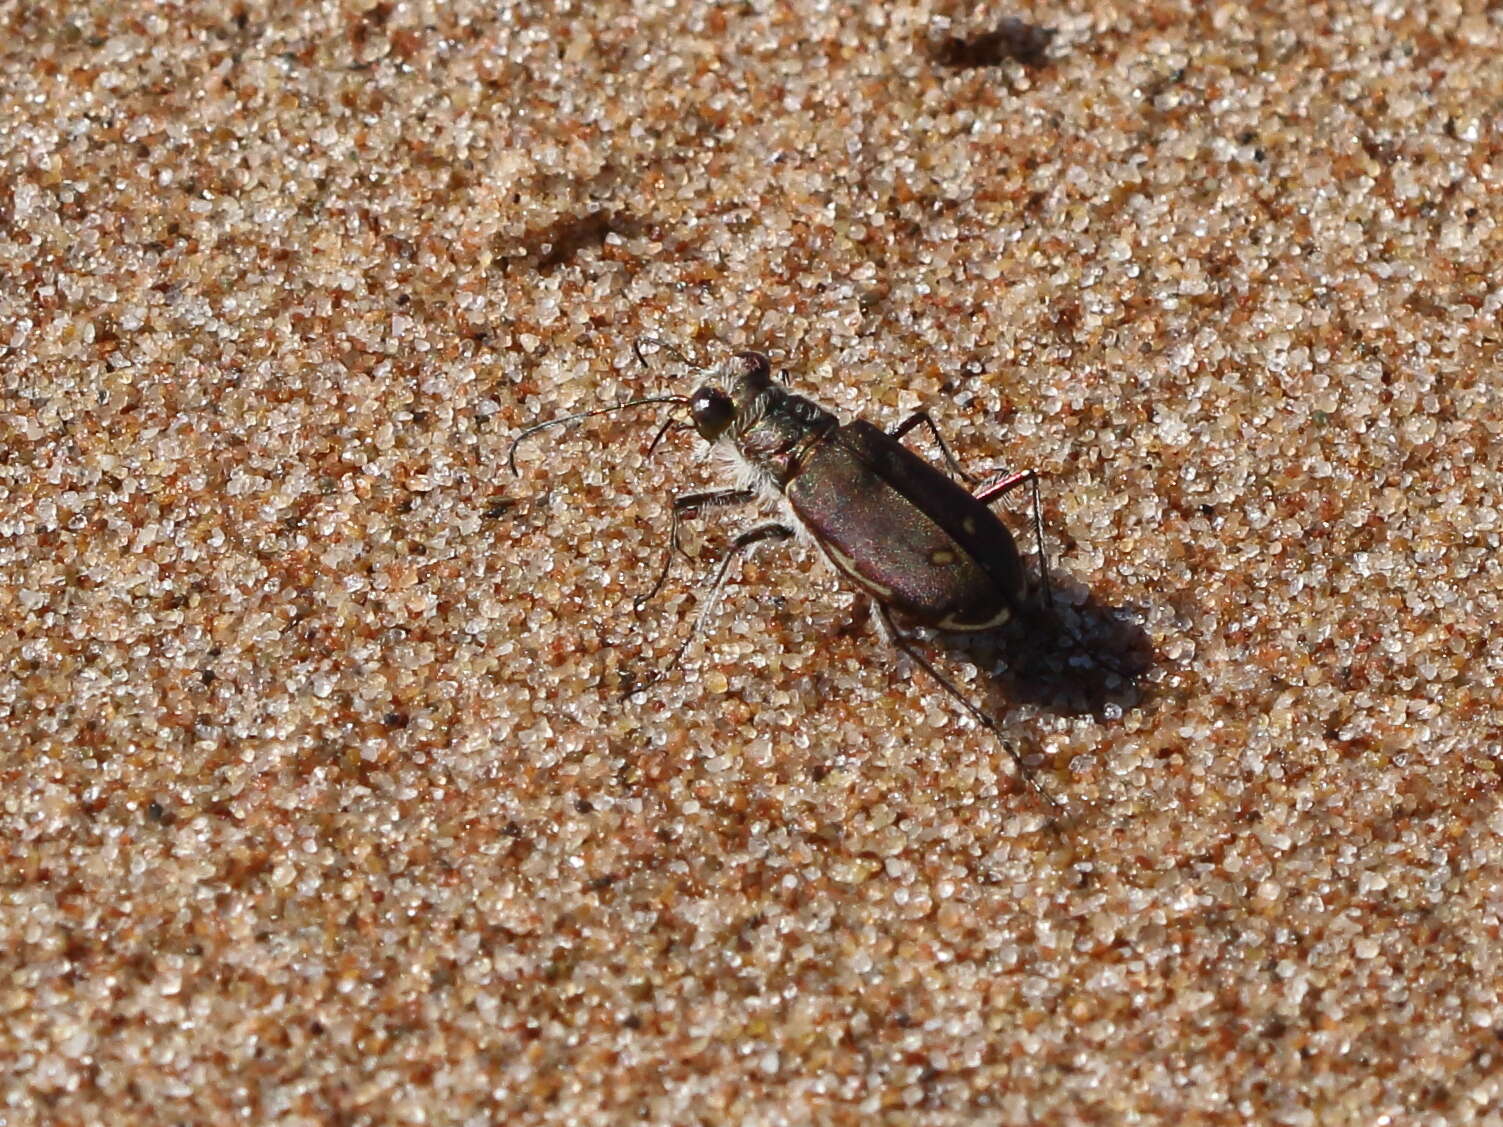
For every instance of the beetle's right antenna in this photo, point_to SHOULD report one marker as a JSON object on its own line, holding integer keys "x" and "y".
{"x": 511, "y": 455}
{"x": 636, "y": 347}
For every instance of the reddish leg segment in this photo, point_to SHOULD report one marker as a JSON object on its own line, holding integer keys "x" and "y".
{"x": 1005, "y": 485}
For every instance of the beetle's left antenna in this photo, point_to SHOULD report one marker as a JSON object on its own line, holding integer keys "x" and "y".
{"x": 667, "y": 346}
{"x": 511, "y": 455}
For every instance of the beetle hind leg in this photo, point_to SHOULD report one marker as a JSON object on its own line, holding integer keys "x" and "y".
{"x": 905, "y": 645}
{"x": 992, "y": 491}
{"x": 1001, "y": 487}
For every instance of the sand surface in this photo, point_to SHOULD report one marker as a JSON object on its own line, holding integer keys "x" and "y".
{"x": 319, "y": 803}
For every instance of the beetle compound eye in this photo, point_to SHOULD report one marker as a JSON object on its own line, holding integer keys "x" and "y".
{"x": 712, "y": 412}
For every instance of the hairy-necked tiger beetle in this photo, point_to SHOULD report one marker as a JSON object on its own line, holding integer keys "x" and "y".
{"x": 906, "y": 534}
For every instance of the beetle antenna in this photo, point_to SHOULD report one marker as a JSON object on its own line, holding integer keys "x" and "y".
{"x": 667, "y": 346}
{"x": 511, "y": 455}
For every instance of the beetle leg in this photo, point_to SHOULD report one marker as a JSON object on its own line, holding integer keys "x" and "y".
{"x": 1038, "y": 535}
{"x": 770, "y": 531}
{"x": 669, "y": 424}
{"x": 905, "y": 644}
{"x": 922, "y": 418}
{"x": 1005, "y": 485}
{"x": 683, "y": 508}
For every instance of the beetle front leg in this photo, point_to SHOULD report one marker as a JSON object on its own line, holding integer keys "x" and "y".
{"x": 684, "y": 507}
{"x": 905, "y": 645}
{"x": 770, "y": 531}
{"x": 922, "y": 418}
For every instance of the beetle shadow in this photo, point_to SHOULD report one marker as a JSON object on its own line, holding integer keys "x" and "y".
{"x": 1087, "y": 658}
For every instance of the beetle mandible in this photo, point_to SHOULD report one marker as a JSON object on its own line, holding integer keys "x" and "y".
{"x": 902, "y": 531}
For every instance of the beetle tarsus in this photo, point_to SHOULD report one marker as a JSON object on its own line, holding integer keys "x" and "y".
{"x": 770, "y": 531}
{"x": 905, "y": 645}
{"x": 684, "y": 507}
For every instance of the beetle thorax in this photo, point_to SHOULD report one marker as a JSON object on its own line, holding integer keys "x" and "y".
{"x": 774, "y": 431}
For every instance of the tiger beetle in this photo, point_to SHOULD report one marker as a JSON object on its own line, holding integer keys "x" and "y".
{"x": 906, "y": 534}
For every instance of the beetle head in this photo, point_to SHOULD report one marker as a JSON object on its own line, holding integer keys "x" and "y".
{"x": 748, "y": 374}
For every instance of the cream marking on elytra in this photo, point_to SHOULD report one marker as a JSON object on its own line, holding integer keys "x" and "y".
{"x": 1001, "y": 618}
{"x": 844, "y": 563}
